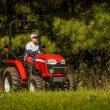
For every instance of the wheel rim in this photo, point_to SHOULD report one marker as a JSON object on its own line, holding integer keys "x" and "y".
{"x": 32, "y": 87}
{"x": 7, "y": 85}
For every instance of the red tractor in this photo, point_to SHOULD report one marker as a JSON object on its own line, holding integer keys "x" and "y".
{"x": 48, "y": 71}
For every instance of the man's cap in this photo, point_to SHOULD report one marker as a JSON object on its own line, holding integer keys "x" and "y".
{"x": 34, "y": 35}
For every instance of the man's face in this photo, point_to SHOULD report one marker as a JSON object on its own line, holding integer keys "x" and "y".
{"x": 35, "y": 39}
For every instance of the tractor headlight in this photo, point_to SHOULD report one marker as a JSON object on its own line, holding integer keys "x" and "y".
{"x": 51, "y": 62}
{"x": 62, "y": 61}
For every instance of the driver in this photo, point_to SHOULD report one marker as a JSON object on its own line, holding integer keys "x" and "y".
{"x": 33, "y": 47}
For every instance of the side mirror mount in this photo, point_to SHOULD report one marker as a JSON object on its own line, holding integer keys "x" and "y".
{"x": 6, "y": 48}
{"x": 43, "y": 48}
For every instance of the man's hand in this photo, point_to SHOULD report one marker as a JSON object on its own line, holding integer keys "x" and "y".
{"x": 31, "y": 53}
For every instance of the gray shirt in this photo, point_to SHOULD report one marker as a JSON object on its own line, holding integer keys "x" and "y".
{"x": 31, "y": 46}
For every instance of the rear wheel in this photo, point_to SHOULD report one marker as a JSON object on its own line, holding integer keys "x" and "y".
{"x": 35, "y": 83}
{"x": 11, "y": 80}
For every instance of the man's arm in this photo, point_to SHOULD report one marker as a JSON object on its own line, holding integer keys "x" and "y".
{"x": 28, "y": 47}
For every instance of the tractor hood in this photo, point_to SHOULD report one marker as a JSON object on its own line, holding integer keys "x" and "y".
{"x": 50, "y": 56}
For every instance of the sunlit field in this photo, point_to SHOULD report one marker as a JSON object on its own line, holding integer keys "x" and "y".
{"x": 56, "y": 100}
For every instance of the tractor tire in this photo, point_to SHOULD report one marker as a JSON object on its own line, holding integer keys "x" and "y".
{"x": 11, "y": 80}
{"x": 66, "y": 84}
{"x": 73, "y": 84}
{"x": 35, "y": 83}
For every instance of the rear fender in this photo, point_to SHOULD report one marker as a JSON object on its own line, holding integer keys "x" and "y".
{"x": 20, "y": 68}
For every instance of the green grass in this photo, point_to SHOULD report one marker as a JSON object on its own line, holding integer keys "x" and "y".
{"x": 54, "y": 100}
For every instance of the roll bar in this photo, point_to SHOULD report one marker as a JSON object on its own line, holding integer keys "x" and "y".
{"x": 10, "y": 29}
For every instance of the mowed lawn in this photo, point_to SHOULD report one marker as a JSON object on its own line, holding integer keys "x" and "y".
{"x": 83, "y": 99}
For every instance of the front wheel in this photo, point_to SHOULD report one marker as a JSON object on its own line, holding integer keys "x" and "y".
{"x": 35, "y": 84}
{"x": 73, "y": 83}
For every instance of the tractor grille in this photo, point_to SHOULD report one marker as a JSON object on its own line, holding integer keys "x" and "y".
{"x": 58, "y": 68}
